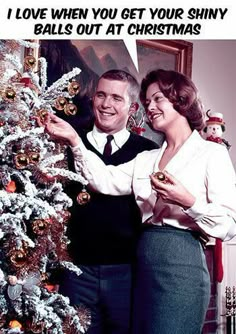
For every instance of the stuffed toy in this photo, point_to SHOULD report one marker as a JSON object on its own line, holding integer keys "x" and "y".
{"x": 215, "y": 127}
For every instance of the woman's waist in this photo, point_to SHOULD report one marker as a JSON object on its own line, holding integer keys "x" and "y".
{"x": 170, "y": 225}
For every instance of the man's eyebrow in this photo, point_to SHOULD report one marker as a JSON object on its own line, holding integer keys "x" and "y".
{"x": 104, "y": 93}
{"x": 100, "y": 92}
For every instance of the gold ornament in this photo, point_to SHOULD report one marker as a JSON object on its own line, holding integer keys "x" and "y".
{"x": 21, "y": 160}
{"x": 18, "y": 257}
{"x": 60, "y": 103}
{"x": 29, "y": 62}
{"x": 83, "y": 197}
{"x": 70, "y": 109}
{"x": 73, "y": 87}
{"x": 34, "y": 157}
{"x": 42, "y": 113}
{"x": 39, "y": 226}
{"x": 9, "y": 94}
{"x": 160, "y": 176}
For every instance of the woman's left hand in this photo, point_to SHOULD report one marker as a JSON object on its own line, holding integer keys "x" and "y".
{"x": 172, "y": 191}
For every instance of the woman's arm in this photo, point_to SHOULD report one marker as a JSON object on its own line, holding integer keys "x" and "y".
{"x": 218, "y": 216}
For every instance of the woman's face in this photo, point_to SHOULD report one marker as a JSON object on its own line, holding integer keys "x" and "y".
{"x": 159, "y": 109}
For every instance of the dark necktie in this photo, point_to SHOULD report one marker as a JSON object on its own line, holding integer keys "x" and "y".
{"x": 107, "y": 147}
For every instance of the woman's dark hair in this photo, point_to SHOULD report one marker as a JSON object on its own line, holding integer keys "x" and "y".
{"x": 181, "y": 91}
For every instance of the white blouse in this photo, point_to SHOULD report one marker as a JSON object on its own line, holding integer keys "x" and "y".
{"x": 203, "y": 167}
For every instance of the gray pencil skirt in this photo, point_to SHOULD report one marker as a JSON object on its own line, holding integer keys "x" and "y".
{"x": 172, "y": 283}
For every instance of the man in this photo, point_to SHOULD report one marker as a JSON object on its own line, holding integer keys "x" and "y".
{"x": 104, "y": 231}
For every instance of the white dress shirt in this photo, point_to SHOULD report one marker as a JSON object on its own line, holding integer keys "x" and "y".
{"x": 203, "y": 167}
{"x": 98, "y": 139}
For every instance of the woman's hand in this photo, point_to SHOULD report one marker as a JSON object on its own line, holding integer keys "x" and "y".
{"x": 60, "y": 129}
{"x": 172, "y": 191}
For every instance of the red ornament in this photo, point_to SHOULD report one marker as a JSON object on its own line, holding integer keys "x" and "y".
{"x": 15, "y": 324}
{"x": 138, "y": 129}
{"x": 26, "y": 81}
{"x": 11, "y": 187}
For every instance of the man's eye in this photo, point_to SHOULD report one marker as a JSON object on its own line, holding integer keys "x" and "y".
{"x": 117, "y": 98}
{"x": 100, "y": 95}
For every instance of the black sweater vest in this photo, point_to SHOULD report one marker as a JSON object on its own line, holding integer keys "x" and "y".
{"x": 105, "y": 230}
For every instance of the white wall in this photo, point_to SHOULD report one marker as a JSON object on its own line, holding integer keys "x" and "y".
{"x": 214, "y": 73}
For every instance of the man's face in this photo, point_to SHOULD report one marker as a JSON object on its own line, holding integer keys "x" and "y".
{"x": 111, "y": 105}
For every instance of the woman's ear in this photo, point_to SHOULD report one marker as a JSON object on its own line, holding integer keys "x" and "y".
{"x": 133, "y": 108}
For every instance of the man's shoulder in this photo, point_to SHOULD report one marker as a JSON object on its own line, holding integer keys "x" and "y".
{"x": 143, "y": 142}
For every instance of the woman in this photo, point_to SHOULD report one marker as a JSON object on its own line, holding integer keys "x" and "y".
{"x": 194, "y": 197}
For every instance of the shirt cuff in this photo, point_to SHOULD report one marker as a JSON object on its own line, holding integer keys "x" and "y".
{"x": 196, "y": 211}
{"x": 79, "y": 150}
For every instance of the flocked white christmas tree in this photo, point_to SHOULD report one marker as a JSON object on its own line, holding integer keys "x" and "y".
{"x": 33, "y": 206}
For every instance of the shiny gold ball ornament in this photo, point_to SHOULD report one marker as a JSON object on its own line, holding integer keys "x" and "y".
{"x": 18, "y": 257}
{"x": 73, "y": 87}
{"x": 42, "y": 113}
{"x": 160, "y": 177}
{"x": 9, "y": 94}
{"x": 21, "y": 160}
{"x": 83, "y": 197}
{"x": 70, "y": 109}
{"x": 34, "y": 157}
{"x": 39, "y": 226}
{"x": 60, "y": 103}
{"x": 29, "y": 62}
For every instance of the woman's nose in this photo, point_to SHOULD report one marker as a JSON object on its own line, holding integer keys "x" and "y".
{"x": 151, "y": 107}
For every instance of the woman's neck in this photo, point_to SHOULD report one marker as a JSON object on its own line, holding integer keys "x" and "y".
{"x": 176, "y": 136}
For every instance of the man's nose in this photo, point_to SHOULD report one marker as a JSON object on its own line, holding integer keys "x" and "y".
{"x": 106, "y": 103}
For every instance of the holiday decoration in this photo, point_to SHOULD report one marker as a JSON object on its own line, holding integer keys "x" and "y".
{"x": 215, "y": 126}
{"x": 160, "y": 176}
{"x": 135, "y": 122}
{"x": 33, "y": 206}
{"x": 83, "y": 197}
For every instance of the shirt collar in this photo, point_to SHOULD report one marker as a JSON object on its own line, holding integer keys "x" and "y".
{"x": 100, "y": 137}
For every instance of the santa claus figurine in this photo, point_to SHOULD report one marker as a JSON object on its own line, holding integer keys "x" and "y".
{"x": 215, "y": 126}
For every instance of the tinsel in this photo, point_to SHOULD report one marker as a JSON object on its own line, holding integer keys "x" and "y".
{"x": 33, "y": 205}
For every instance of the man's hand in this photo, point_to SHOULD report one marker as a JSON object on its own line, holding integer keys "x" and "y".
{"x": 60, "y": 129}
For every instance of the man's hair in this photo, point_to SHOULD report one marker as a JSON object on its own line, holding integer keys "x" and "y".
{"x": 179, "y": 90}
{"x": 120, "y": 75}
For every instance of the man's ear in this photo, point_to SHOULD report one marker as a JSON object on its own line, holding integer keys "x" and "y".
{"x": 133, "y": 108}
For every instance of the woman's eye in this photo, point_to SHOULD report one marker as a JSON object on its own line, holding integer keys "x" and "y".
{"x": 158, "y": 98}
